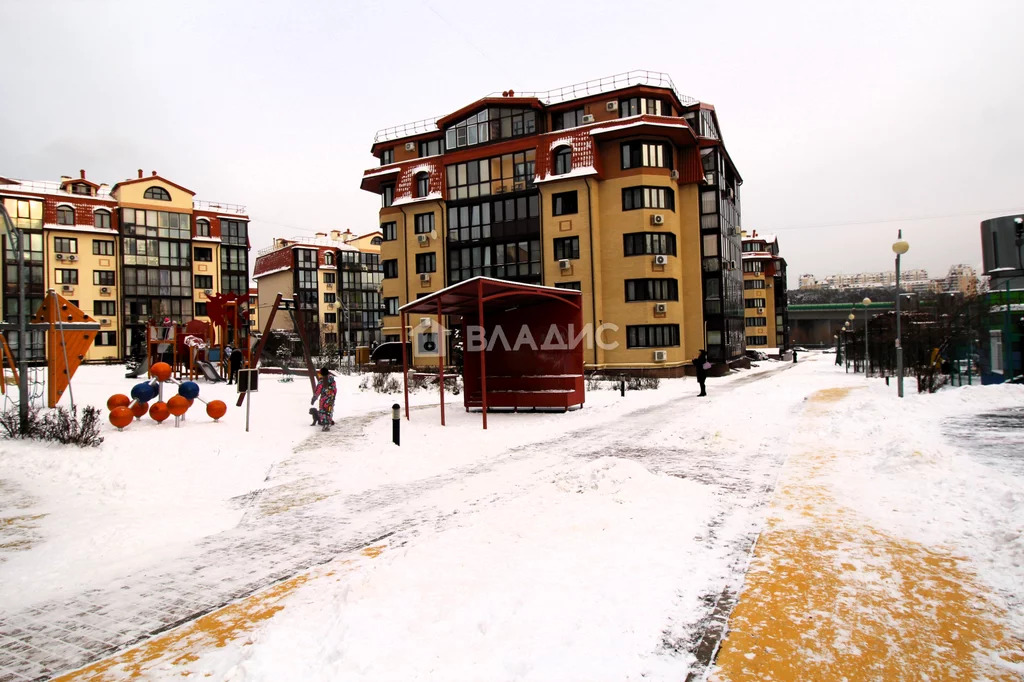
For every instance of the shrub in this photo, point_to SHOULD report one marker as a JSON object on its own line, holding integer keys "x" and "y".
{"x": 61, "y": 425}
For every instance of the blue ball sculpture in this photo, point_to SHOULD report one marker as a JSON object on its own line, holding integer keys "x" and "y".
{"x": 189, "y": 390}
{"x": 144, "y": 392}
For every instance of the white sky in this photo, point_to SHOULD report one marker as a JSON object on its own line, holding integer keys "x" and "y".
{"x": 843, "y": 120}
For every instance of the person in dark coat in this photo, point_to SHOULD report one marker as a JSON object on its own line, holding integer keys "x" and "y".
{"x": 235, "y": 363}
{"x": 794, "y": 356}
{"x": 701, "y": 371}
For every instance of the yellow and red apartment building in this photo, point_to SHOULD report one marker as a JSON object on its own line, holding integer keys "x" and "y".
{"x": 334, "y": 280}
{"x": 621, "y": 188}
{"x": 142, "y": 249}
{"x": 765, "y": 298}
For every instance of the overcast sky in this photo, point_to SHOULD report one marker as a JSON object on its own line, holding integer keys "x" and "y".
{"x": 846, "y": 122}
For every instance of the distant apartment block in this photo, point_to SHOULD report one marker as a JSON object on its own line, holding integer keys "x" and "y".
{"x": 764, "y": 293}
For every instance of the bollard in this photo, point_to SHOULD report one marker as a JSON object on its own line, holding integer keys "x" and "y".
{"x": 886, "y": 381}
{"x": 622, "y": 387}
{"x": 396, "y": 421}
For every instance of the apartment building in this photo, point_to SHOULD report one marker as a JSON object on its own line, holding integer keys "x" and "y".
{"x": 142, "y": 249}
{"x": 764, "y": 293}
{"x": 336, "y": 287}
{"x": 620, "y": 187}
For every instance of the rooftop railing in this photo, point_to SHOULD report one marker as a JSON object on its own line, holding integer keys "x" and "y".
{"x": 218, "y": 206}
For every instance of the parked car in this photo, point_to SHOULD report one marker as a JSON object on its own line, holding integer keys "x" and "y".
{"x": 390, "y": 352}
{"x": 756, "y": 354}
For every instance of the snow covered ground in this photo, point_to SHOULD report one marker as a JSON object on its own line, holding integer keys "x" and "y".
{"x": 589, "y": 545}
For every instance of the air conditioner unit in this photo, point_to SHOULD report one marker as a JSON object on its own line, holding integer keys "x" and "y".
{"x": 424, "y": 276}
{"x": 761, "y": 311}
{"x": 104, "y": 321}
{"x": 657, "y": 219}
{"x": 661, "y": 259}
{"x": 329, "y": 286}
{"x": 330, "y": 306}
{"x": 588, "y": 118}
{"x": 674, "y": 175}
{"x": 410, "y": 146}
{"x": 660, "y": 308}
{"x": 104, "y": 290}
{"x": 423, "y": 238}
{"x": 563, "y": 264}
{"x": 611, "y": 106}
{"x": 72, "y": 257}
{"x": 67, "y": 287}
{"x": 660, "y": 355}
{"x": 60, "y": 256}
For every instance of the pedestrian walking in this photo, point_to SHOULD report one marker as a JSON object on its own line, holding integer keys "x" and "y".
{"x": 326, "y": 390}
{"x": 794, "y": 356}
{"x": 234, "y": 364}
{"x": 701, "y": 367}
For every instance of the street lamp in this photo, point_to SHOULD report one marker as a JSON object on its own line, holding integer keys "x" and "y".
{"x": 899, "y": 247}
{"x": 866, "y": 302}
{"x": 846, "y": 343}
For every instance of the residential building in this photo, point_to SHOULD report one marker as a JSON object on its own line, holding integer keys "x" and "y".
{"x": 621, "y": 188}
{"x": 764, "y": 293}
{"x": 960, "y": 279}
{"x": 254, "y": 309}
{"x": 140, "y": 250}
{"x": 809, "y": 282}
{"x": 335, "y": 285}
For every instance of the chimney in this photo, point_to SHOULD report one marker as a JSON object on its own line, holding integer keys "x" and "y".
{"x": 64, "y": 178}
{"x": 154, "y": 174}
{"x": 140, "y": 173}
{"x": 336, "y": 235}
{"x": 83, "y": 174}
{"x": 321, "y": 234}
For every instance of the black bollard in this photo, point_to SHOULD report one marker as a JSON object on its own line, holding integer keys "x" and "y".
{"x": 396, "y": 420}
{"x": 622, "y": 387}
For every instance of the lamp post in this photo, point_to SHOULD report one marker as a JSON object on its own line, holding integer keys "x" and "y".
{"x": 839, "y": 355}
{"x": 866, "y": 302}
{"x": 899, "y": 247}
{"x": 849, "y": 321}
{"x": 846, "y": 344}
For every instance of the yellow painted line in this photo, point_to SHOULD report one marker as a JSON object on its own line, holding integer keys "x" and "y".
{"x": 828, "y": 597}
{"x": 183, "y": 645}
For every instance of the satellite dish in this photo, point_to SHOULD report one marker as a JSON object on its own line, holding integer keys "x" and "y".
{"x": 433, "y": 234}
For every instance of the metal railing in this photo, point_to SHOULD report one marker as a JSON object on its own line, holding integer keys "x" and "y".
{"x": 566, "y": 93}
{"x": 219, "y": 206}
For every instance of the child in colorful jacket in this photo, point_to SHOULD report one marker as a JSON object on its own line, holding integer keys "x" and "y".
{"x": 326, "y": 390}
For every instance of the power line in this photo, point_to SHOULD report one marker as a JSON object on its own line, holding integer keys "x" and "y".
{"x": 993, "y": 211}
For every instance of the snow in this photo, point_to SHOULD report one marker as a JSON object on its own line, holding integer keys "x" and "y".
{"x": 637, "y": 124}
{"x": 433, "y": 196}
{"x": 587, "y": 545}
{"x": 578, "y": 172}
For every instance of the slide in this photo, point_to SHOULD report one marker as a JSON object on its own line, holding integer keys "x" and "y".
{"x": 208, "y": 371}
{"x": 138, "y": 371}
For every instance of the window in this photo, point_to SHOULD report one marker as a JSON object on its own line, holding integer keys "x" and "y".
{"x": 569, "y": 285}
{"x": 756, "y": 321}
{"x": 102, "y": 247}
{"x": 65, "y": 245}
{"x": 202, "y": 228}
{"x": 330, "y": 297}
{"x": 995, "y": 340}
{"x": 511, "y": 172}
{"x": 646, "y": 155}
{"x": 65, "y": 215}
{"x": 430, "y": 148}
{"x": 106, "y": 339}
{"x": 753, "y": 266}
{"x": 204, "y": 282}
{"x": 105, "y": 308}
{"x": 104, "y": 278}
{"x": 163, "y": 224}
{"x": 634, "y": 106}
{"x": 567, "y": 119}
{"x": 376, "y": 241}
{"x": 422, "y": 184}
{"x": 66, "y": 276}
{"x": 329, "y": 278}
{"x": 564, "y": 203}
{"x": 330, "y": 318}
{"x": 390, "y": 231}
{"x": 660, "y": 289}
{"x": 649, "y": 243}
{"x": 203, "y": 254}
{"x": 567, "y": 247}
{"x": 391, "y": 305}
{"x": 390, "y": 268}
{"x": 234, "y": 232}
{"x": 652, "y": 335}
{"x": 158, "y": 193}
{"x": 648, "y": 197}
{"x": 490, "y": 125}
{"x": 328, "y": 258}
{"x": 81, "y": 188}
{"x": 563, "y": 160}
{"x": 387, "y": 156}
{"x": 388, "y": 195}
{"x": 753, "y": 283}
{"x": 754, "y": 303}
{"x": 426, "y": 262}
{"x": 423, "y": 223}
{"x": 757, "y": 340}
{"x": 101, "y": 219}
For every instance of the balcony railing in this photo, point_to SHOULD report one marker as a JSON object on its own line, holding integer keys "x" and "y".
{"x": 219, "y": 206}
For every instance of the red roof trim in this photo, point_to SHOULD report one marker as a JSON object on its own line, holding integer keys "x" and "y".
{"x": 151, "y": 178}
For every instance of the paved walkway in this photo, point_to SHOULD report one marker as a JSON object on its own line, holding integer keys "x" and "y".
{"x": 828, "y": 597}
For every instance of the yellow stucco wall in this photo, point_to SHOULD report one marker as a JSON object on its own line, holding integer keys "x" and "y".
{"x": 131, "y": 196}
{"x": 269, "y": 286}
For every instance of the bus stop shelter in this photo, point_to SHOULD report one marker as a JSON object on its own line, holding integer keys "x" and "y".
{"x": 523, "y": 343}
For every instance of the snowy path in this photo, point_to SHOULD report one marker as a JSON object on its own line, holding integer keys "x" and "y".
{"x": 301, "y": 519}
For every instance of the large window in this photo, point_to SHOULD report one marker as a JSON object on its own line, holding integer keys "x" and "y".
{"x": 646, "y": 155}
{"x": 106, "y": 308}
{"x": 234, "y": 232}
{"x": 422, "y": 184}
{"x": 648, "y": 197}
{"x": 563, "y": 160}
{"x": 66, "y": 276}
{"x": 158, "y": 193}
{"x": 65, "y": 215}
{"x": 567, "y": 247}
{"x": 518, "y": 261}
{"x": 162, "y": 224}
{"x": 634, "y": 106}
{"x": 103, "y": 278}
{"x": 102, "y": 247}
{"x": 388, "y": 195}
{"x": 202, "y": 228}
{"x": 753, "y": 283}
{"x": 649, "y": 243}
{"x": 200, "y": 309}
{"x": 567, "y": 119}
{"x": 506, "y": 173}
{"x": 564, "y": 203}
{"x": 203, "y": 254}
{"x": 391, "y": 305}
{"x": 652, "y": 335}
{"x": 204, "y": 281}
{"x": 575, "y": 286}
{"x": 330, "y": 318}
{"x": 330, "y": 297}
{"x": 387, "y": 156}
{"x": 430, "y": 148}
{"x": 101, "y": 219}
{"x": 423, "y": 223}
{"x": 757, "y": 340}
{"x": 390, "y": 231}
{"x": 756, "y": 321}
{"x": 753, "y": 266}
{"x": 390, "y": 268}
{"x": 660, "y": 289}
{"x": 65, "y": 245}
{"x": 426, "y": 262}
{"x": 106, "y": 339}
{"x": 499, "y": 219}
{"x": 497, "y": 123}
{"x": 754, "y": 303}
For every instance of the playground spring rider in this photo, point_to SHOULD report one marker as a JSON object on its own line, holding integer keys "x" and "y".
{"x": 123, "y": 409}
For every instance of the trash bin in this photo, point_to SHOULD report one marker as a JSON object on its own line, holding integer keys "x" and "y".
{"x": 362, "y": 355}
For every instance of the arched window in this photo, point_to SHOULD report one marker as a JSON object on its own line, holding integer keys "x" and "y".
{"x": 563, "y": 160}
{"x": 158, "y": 193}
{"x": 65, "y": 215}
{"x": 422, "y": 184}
{"x": 328, "y": 258}
{"x": 376, "y": 241}
{"x": 101, "y": 219}
{"x": 202, "y": 228}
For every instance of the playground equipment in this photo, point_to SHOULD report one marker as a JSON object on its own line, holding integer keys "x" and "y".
{"x": 123, "y": 408}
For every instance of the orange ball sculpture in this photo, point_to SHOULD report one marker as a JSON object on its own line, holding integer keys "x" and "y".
{"x": 177, "y": 405}
{"x": 161, "y": 370}
{"x": 159, "y": 412}
{"x": 121, "y": 417}
{"x": 216, "y": 409}
{"x": 140, "y": 410}
{"x": 118, "y": 400}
